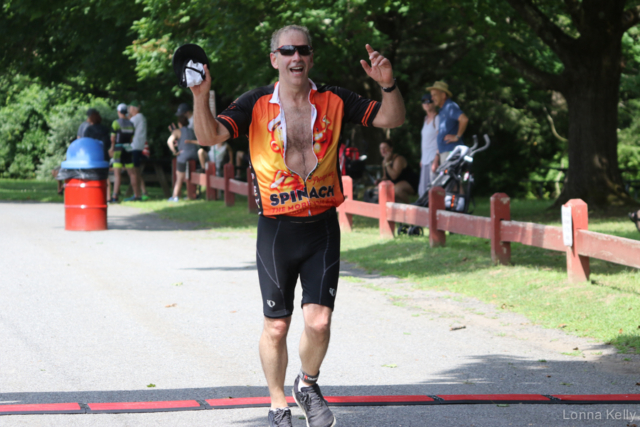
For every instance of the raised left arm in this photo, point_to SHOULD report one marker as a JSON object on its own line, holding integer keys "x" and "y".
{"x": 392, "y": 111}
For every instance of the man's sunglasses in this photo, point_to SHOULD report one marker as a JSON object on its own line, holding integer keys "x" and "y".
{"x": 290, "y": 50}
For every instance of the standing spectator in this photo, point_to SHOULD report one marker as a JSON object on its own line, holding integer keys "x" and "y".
{"x": 183, "y": 144}
{"x": 452, "y": 122}
{"x": 84, "y": 125}
{"x": 242, "y": 163}
{"x": 137, "y": 145}
{"x": 220, "y": 154}
{"x": 429, "y": 143}
{"x": 91, "y": 112}
{"x": 185, "y": 109}
{"x": 122, "y": 131}
{"x": 396, "y": 170}
{"x": 635, "y": 217}
{"x": 97, "y": 130}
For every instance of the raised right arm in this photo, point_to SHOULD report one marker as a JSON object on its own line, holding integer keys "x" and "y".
{"x": 207, "y": 128}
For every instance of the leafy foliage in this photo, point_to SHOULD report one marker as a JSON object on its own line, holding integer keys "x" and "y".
{"x": 38, "y": 123}
{"x": 121, "y": 50}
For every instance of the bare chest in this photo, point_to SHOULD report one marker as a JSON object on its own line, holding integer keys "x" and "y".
{"x": 299, "y": 154}
{"x": 298, "y": 127}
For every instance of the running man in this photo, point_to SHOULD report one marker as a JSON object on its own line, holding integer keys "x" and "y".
{"x": 293, "y": 128}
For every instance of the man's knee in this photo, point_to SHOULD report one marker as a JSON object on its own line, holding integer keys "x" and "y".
{"x": 317, "y": 319}
{"x": 277, "y": 329}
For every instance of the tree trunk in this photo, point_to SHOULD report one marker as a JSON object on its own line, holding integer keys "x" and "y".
{"x": 592, "y": 98}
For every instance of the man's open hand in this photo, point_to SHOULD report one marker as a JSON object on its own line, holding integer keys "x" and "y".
{"x": 380, "y": 69}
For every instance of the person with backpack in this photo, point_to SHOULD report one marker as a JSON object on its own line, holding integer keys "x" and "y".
{"x": 183, "y": 143}
{"x": 122, "y": 131}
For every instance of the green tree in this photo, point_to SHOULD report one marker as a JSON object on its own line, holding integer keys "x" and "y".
{"x": 575, "y": 48}
{"x": 79, "y": 43}
{"x": 425, "y": 43}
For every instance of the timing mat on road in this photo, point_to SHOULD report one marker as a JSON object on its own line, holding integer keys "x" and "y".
{"x": 259, "y": 402}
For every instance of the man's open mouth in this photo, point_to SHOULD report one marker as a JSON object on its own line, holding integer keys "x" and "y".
{"x": 296, "y": 70}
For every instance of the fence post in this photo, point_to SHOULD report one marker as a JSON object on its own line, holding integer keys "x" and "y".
{"x": 577, "y": 265}
{"x": 251, "y": 194}
{"x": 436, "y": 202}
{"x": 500, "y": 211}
{"x": 211, "y": 193}
{"x": 385, "y": 194}
{"x": 191, "y": 188}
{"x": 229, "y": 197}
{"x": 345, "y": 219}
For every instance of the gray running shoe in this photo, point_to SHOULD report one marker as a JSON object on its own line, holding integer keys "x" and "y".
{"x": 312, "y": 403}
{"x": 280, "y": 417}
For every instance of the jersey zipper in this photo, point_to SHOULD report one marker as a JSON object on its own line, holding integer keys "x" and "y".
{"x": 314, "y": 114}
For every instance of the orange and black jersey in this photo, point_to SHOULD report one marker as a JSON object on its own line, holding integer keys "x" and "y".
{"x": 277, "y": 189}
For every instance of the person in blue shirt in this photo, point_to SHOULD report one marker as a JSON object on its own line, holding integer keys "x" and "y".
{"x": 452, "y": 122}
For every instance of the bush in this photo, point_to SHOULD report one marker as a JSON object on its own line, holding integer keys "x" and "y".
{"x": 63, "y": 127}
{"x": 38, "y": 123}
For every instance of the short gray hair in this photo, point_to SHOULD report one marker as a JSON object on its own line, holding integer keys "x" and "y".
{"x": 275, "y": 37}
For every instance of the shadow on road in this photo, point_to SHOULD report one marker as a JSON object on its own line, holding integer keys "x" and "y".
{"x": 148, "y": 222}
{"x": 484, "y": 374}
{"x": 249, "y": 266}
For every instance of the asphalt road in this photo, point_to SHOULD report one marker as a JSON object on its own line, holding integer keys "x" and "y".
{"x": 102, "y": 316}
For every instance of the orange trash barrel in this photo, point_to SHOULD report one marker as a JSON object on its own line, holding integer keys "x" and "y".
{"x": 85, "y": 172}
{"x": 85, "y": 205}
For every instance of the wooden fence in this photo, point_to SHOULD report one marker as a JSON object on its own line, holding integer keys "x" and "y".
{"x": 499, "y": 228}
{"x": 213, "y": 183}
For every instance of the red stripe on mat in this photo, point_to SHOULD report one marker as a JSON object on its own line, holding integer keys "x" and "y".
{"x": 492, "y": 397}
{"x": 243, "y": 401}
{"x": 597, "y": 397}
{"x": 137, "y": 406}
{"x": 378, "y": 399}
{"x": 177, "y": 405}
{"x": 37, "y": 407}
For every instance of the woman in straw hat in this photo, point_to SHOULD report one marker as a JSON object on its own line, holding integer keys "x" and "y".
{"x": 452, "y": 122}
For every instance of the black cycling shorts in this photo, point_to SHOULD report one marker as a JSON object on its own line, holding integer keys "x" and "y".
{"x": 308, "y": 247}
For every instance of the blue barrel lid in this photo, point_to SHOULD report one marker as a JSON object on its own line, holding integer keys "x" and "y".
{"x": 85, "y": 153}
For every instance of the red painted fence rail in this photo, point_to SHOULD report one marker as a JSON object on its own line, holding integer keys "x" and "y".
{"x": 499, "y": 228}
{"x": 214, "y": 183}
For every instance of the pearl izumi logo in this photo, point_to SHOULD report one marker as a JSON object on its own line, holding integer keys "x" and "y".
{"x": 332, "y": 292}
{"x": 271, "y": 303}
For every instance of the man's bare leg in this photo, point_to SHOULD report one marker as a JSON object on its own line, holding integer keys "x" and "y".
{"x": 133, "y": 178}
{"x": 139, "y": 170}
{"x": 202, "y": 158}
{"x": 274, "y": 358}
{"x": 116, "y": 182}
{"x": 314, "y": 341}
{"x": 179, "y": 180}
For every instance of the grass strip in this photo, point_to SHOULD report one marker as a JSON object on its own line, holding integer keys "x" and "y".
{"x": 606, "y": 308}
